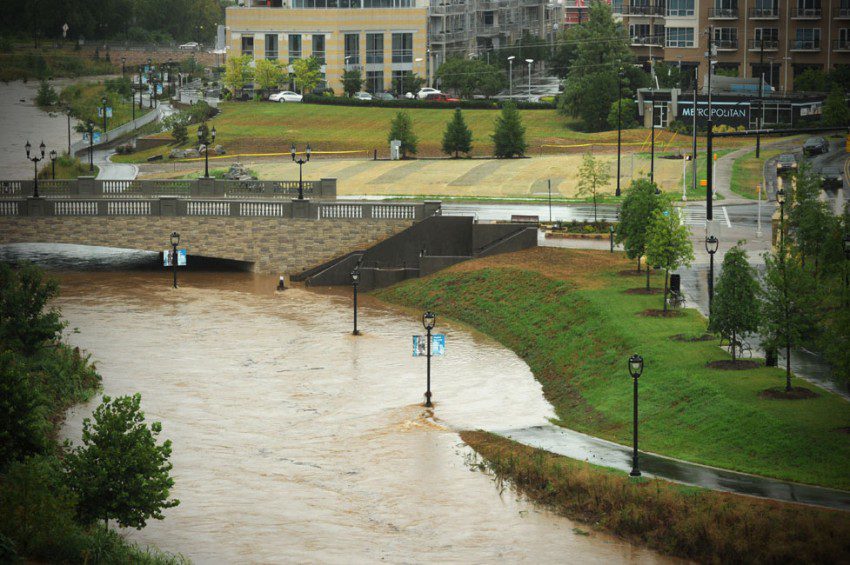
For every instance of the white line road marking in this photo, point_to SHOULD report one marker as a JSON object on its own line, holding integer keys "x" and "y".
{"x": 726, "y": 215}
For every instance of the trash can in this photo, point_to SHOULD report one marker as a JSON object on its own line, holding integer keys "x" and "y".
{"x": 675, "y": 283}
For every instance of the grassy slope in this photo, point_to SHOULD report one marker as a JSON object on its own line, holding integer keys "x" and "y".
{"x": 747, "y": 172}
{"x": 576, "y": 330}
{"x": 86, "y": 100}
{"x": 67, "y": 168}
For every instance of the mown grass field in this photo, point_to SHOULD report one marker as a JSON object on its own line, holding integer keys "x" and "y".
{"x": 67, "y": 168}
{"x": 747, "y": 172}
{"x": 705, "y": 526}
{"x": 86, "y": 99}
{"x": 566, "y": 314}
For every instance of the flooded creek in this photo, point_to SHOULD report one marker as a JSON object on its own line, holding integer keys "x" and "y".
{"x": 294, "y": 441}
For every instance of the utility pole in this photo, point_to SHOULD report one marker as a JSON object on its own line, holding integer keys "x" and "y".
{"x": 761, "y": 100}
{"x": 694, "y": 129}
{"x": 709, "y": 177}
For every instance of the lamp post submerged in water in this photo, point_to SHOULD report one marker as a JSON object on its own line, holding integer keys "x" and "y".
{"x": 355, "y": 280}
{"x": 429, "y": 319}
{"x": 635, "y": 370}
{"x": 175, "y": 240}
{"x": 35, "y": 160}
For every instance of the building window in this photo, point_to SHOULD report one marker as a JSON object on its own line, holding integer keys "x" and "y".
{"x": 402, "y": 48}
{"x": 248, "y": 45}
{"x": 680, "y": 8}
{"x": 808, "y": 7}
{"x": 401, "y": 82}
{"x": 725, "y": 8}
{"x": 294, "y": 47}
{"x": 680, "y": 37}
{"x": 374, "y": 81}
{"x": 768, "y": 34}
{"x": 644, "y": 34}
{"x": 844, "y": 38}
{"x": 807, "y": 38}
{"x": 271, "y": 47}
{"x": 352, "y": 49}
{"x": 765, "y": 8}
{"x": 488, "y": 18}
{"x": 319, "y": 48}
{"x": 374, "y": 48}
{"x": 726, "y": 37}
{"x": 617, "y": 6}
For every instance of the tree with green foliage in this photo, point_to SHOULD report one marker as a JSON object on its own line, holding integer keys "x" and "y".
{"x": 408, "y": 82}
{"x": 237, "y": 73}
{"x": 640, "y": 202}
{"x": 203, "y": 134}
{"x": 46, "y": 96}
{"x": 401, "y": 128}
{"x": 509, "y": 135}
{"x": 179, "y": 132}
{"x": 24, "y": 425}
{"x": 120, "y": 472}
{"x": 457, "y": 137}
{"x": 352, "y": 81}
{"x": 307, "y": 73}
{"x": 628, "y": 114}
{"x": 668, "y": 244}
{"x": 735, "y": 307}
{"x": 835, "y": 110}
{"x": 788, "y": 302}
{"x": 810, "y": 80}
{"x": 267, "y": 75}
{"x": 809, "y": 217}
{"x": 26, "y": 323}
{"x": 593, "y": 175}
{"x": 566, "y": 50}
{"x": 592, "y": 83}
{"x": 470, "y": 76}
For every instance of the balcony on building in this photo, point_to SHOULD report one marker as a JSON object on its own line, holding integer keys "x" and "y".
{"x": 647, "y": 41}
{"x": 843, "y": 12}
{"x": 726, "y": 44}
{"x": 769, "y": 45}
{"x": 806, "y": 13}
{"x": 488, "y": 30}
{"x": 771, "y": 13}
{"x": 841, "y": 45}
{"x": 440, "y": 8}
{"x": 454, "y": 36}
{"x": 638, "y": 10}
{"x": 723, "y": 13}
{"x": 805, "y": 45}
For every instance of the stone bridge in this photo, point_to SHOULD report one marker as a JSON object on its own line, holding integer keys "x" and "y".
{"x": 255, "y": 224}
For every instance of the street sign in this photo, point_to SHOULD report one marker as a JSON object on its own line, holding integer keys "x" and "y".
{"x": 181, "y": 258}
{"x": 108, "y": 112}
{"x": 159, "y": 89}
{"x": 420, "y": 345}
{"x": 96, "y": 137}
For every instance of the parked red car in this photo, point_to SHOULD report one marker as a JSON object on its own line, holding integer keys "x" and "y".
{"x": 440, "y": 97}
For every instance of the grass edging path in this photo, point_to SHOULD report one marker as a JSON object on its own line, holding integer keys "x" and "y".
{"x": 688, "y": 522}
{"x": 565, "y": 312}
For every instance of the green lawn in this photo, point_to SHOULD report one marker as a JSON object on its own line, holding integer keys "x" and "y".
{"x": 747, "y": 172}
{"x": 67, "y": 168}
{"x": 575, "y": 328}
{"x": 86, "y": 100}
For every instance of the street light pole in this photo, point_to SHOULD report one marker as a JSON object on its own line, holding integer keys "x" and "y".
{"x": 511, "y": 75}
{"x": 355, "y": 280}
{"x": 530, "y": 62}
{"x": 103, "y": 102}
{"x": 635, "y": 370}
{"x": 91, "y": 145}
{"x": 652, "y": 125}
{"x": 711, "y": 245}
{"x": 175, "y": 239}
{"x": 846, "y": 271}
{"x": 429, "y": 319}
{"x": 53, "y": 164}
{"x": 202, "y": 134}
{"x": 300, "y": 162}
{"x": 35, "y": 160}
{"x": 123, "y": 68}
{"x": 709, "y": 176}
{"x": 619, "y": 126}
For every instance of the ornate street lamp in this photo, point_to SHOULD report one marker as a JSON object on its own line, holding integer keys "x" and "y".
{"x": 123, "y": 61}
{"x": 175, "y": 239}
{"x": 530, "y": 62}
{"x": 711, "y": 245}
{"x": 429, "y": 320}
{"x": 635, "y": 370}
{"x": 511, "y": 76}
{"x": 53, "y": 155}
{"x": 780, "y": 197}
{"x": 619, "y": 126}
{"x": 355, "y": 280}
{"x": 35, "y": 160}
{"x": 201, "y": 131}
{"x": 300, "y": 162}
{"x": 90, "y": 129}
{"x": 103, "y": 102}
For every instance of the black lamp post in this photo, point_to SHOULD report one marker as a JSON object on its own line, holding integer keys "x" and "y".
{"x": 123, "y": 69}
{"x": 429, "y": 319}
{"x": 355, "y": 280}
{"x": 711, "y": 245}
{"x": 652, "y": 125}
{"x": 611, "y": 237}
{"x": 90, "y": 125}
{"x": 175, "y": 239}
{"x": 103, "y": 102}
{"x": 53, "y": 163}
{"x": 635, "y": 369}
{"x": 201, "y": 139}
{"x": 780, "y": 197}
{"x": 300, "y": 162}
{"x": 35, "y": 160}
{"x": 846, "y": 276}
{"x": 619, "y": 130}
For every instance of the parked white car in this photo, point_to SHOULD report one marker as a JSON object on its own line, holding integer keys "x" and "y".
{"x": 286, "y": 96}
{"x": 362, "y": 96}
{"x": 191, "y": 46}
{"x": 424, "y": 92}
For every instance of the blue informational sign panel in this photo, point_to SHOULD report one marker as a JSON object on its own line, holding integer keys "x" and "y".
{"x": 108, "y": 112}
{"x": 96, "y": 137}
{"x": 159, "y": 89}
{"x": 181, "y": 257}
{"x": 420, "y": 345}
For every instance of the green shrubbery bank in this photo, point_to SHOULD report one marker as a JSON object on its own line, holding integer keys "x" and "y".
{"x": 40, "y": 378}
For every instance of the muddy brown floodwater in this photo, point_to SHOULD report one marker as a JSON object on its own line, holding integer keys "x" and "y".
{"x": 297, "y": 442}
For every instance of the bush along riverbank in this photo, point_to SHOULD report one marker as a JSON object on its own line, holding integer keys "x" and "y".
{"x": 42, "y": 499}
{"x": 687, "y": 522}
{"x": 571, "y": 316}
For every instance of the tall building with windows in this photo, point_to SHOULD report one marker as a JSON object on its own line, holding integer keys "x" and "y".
{"x": 386, "y": 39}
{"x": 777, "y": 38}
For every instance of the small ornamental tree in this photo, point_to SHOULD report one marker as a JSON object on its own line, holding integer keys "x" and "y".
{"x": 401, "y": 128}
{"x": 835, "y": 110}
{"x": 457, "y": 137}
{"x": 120, "y": 472}
{"x": 668, "y": 244}
{"x": 307, "y": 73}
{"x": 509, "y": 136}
{"x": 25, "y": 322}
{"x": 203, "y": 134}
{"x": 352, "y": 81}
{"x": 640, "y": 202}
{"x": 24, "y": 425}
{"x": 267, "y": 75}
{"x": 237, "y": 73}
{"x": 592, "y": 177}
{"x": 735, "y": 307}
{"x": 810, "y": 217}
{"x": 628, "y": 114}
{"x": 179, "y": 132}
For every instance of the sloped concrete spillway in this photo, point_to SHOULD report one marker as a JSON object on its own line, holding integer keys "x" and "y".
{"x": 297, "y": 442}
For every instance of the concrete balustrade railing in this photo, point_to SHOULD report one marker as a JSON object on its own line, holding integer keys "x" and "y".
{"x": 185, "y": 188}
{"x": 216, "y": 207}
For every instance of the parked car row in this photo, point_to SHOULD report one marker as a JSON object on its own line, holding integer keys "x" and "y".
{"x": 290, "y": 96}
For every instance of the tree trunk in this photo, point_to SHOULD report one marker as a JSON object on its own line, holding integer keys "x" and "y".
{"x": 666, "y": 271}
{"x": 733, "y": 347}
{"x": 788, "y": 367}
{"x": 647, "y": 276}
{"x": 638, "y": 264}
{"x": 595, "y": 220}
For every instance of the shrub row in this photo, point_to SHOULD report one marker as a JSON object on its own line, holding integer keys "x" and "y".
{"x": 416, "y": 103}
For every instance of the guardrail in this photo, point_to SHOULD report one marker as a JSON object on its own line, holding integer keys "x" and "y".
{"x": 186, "y": 188}
{"x": 209, "y": 207}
